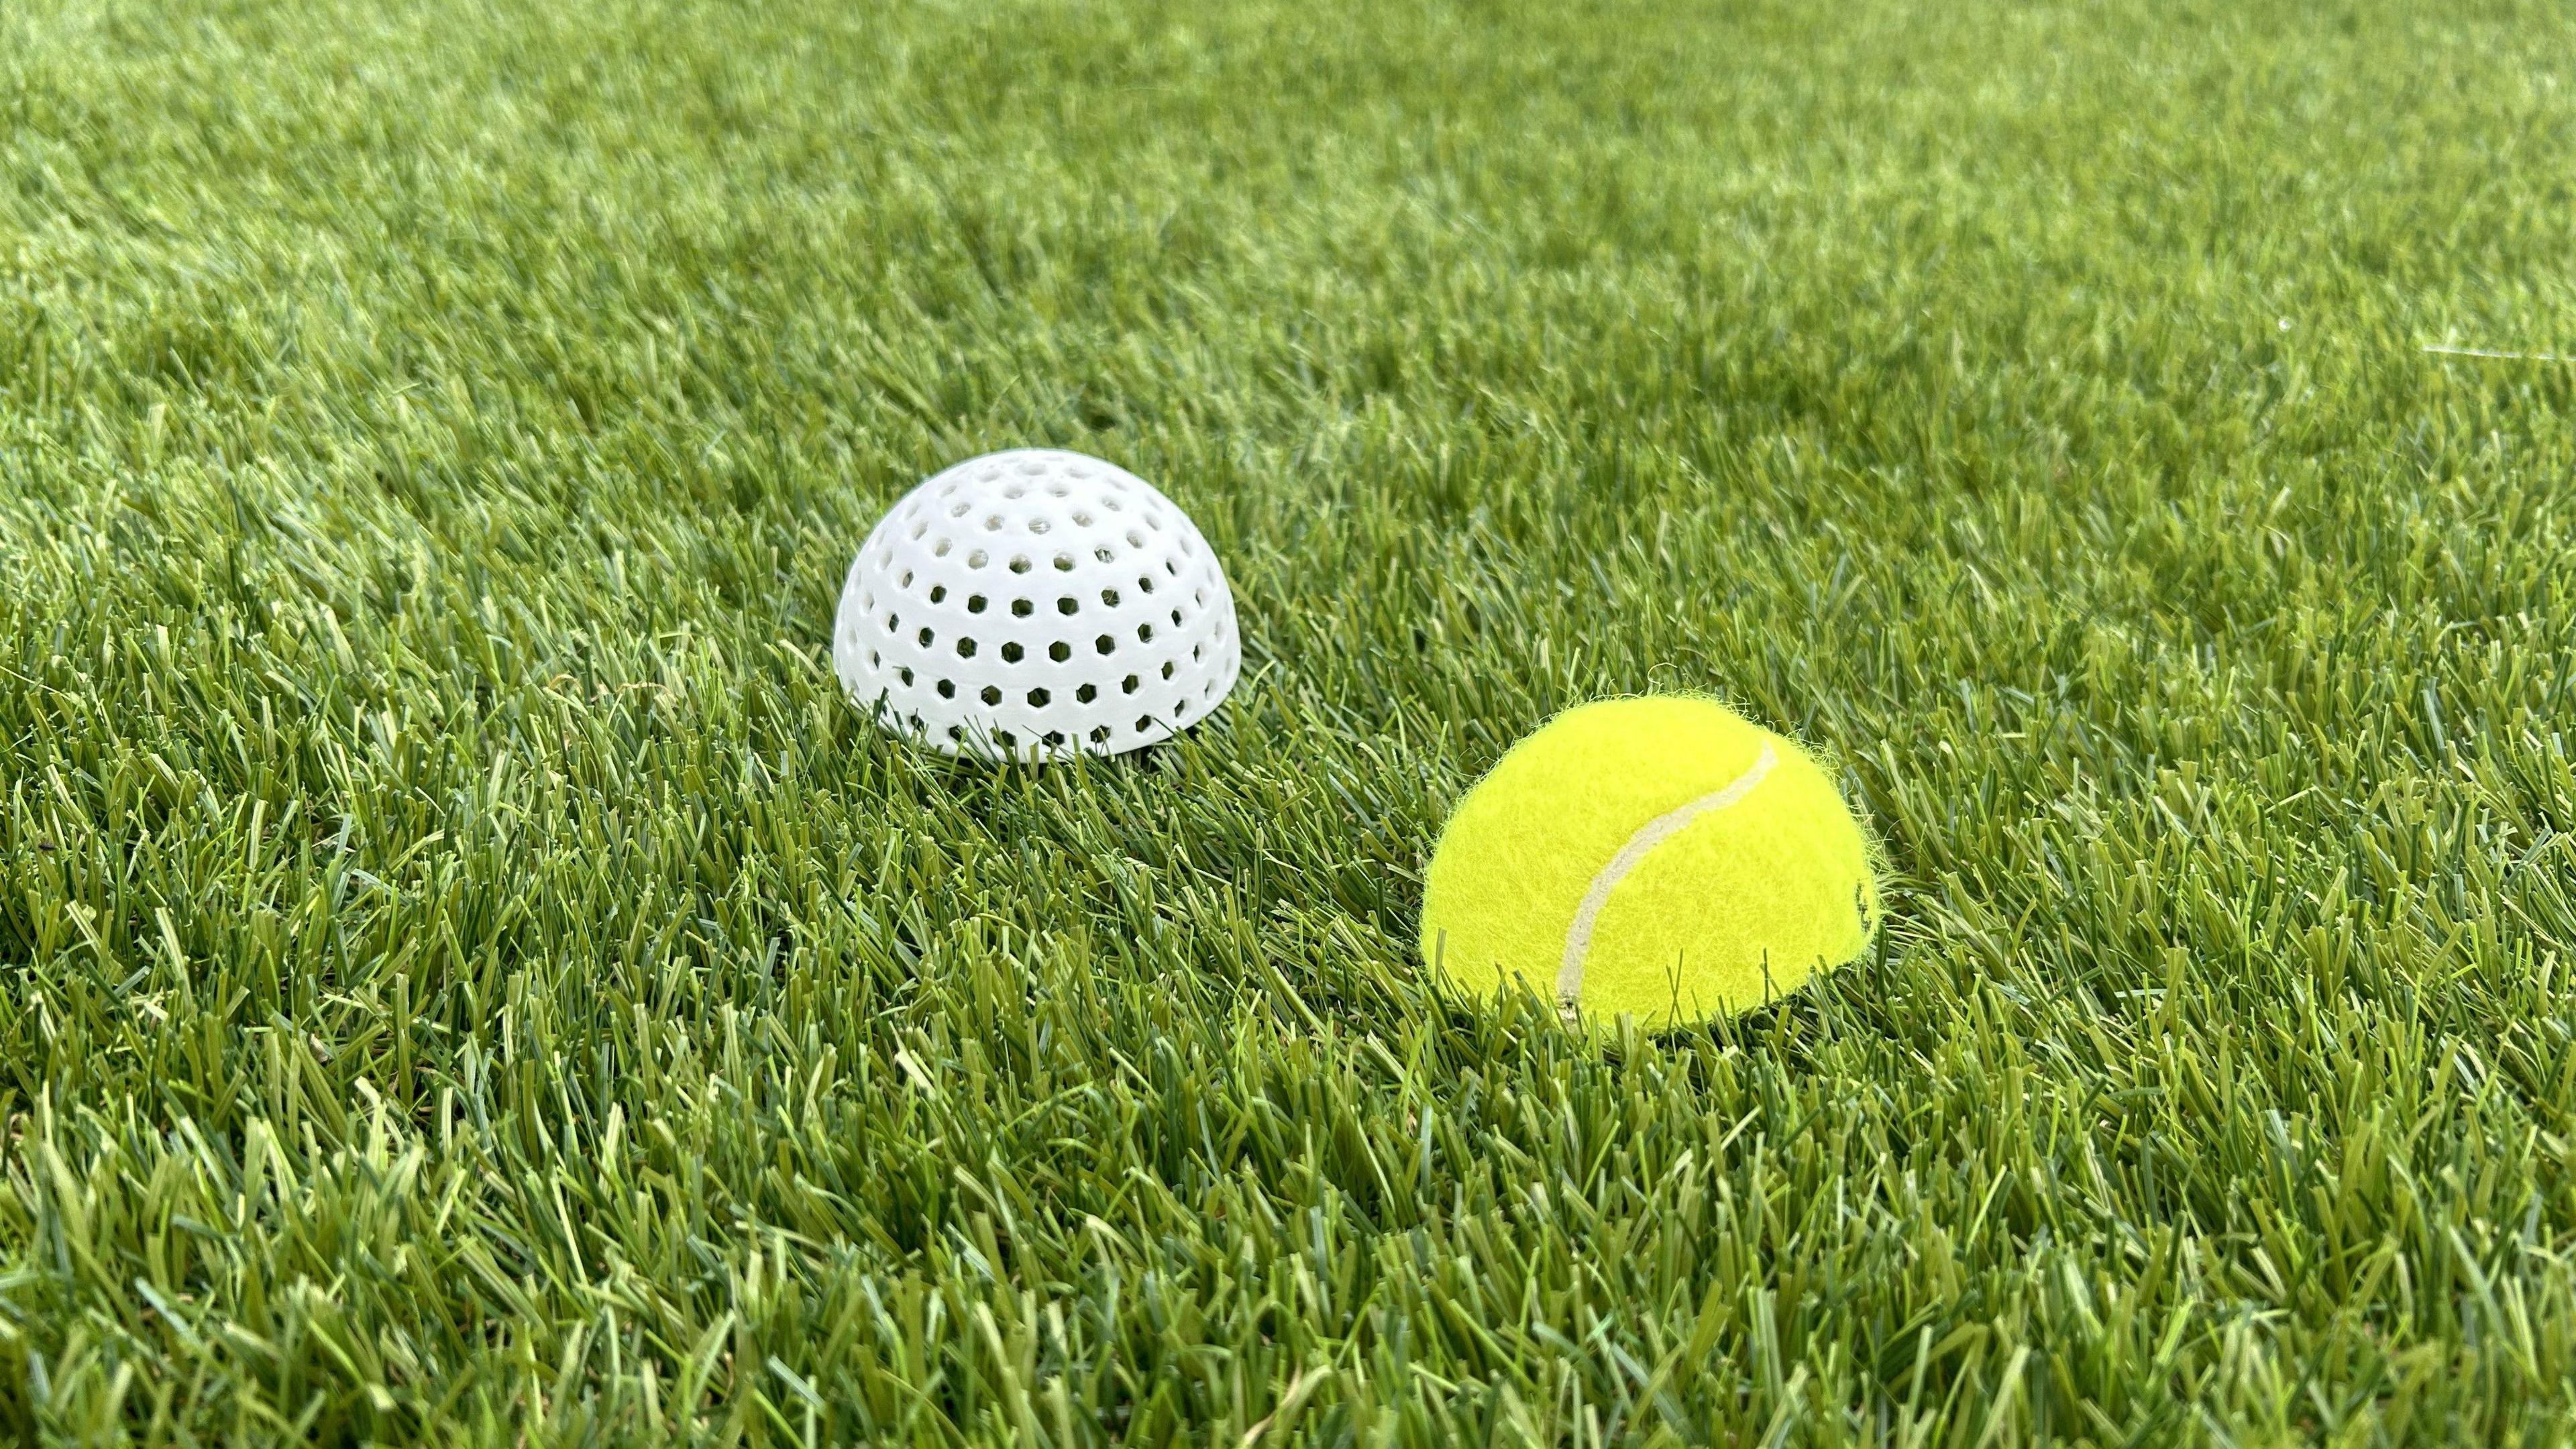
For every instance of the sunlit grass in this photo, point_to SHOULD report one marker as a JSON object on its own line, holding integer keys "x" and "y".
{"x": 471, "y": 977}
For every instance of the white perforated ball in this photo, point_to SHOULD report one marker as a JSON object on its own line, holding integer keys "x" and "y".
{"x": 1036, "y": 603}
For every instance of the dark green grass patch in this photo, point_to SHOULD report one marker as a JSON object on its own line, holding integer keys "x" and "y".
{"x": 469, "y": 977}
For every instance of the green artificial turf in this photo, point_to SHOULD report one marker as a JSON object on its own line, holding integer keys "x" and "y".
{"x": 470, "y": 977}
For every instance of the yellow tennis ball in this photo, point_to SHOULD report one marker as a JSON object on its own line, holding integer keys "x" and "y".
{"x": 1662, "y": 857}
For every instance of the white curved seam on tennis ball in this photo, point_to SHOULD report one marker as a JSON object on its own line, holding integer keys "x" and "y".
{"x": 1578, "y": 937}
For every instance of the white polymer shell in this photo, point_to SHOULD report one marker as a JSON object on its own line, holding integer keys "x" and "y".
{"x": 1036, "y": 603}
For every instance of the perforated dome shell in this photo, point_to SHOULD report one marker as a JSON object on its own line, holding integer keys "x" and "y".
{"x": 1036, "y": 603}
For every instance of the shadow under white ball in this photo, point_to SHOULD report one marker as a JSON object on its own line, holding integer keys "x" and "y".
{"x": 1036, "y": 603}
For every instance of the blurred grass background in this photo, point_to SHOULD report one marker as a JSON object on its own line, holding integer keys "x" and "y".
{"x": 471, "y": 979}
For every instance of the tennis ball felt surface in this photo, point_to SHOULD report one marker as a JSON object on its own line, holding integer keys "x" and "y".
{"x": 1662, "y": 857}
